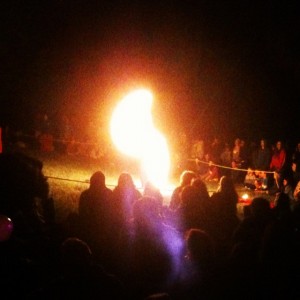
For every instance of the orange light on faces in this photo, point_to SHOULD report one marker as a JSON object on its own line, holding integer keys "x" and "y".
{"x": 134, "y": 134}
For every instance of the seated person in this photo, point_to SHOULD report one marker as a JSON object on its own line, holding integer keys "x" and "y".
{"x": 208, "y": 172}
{"x": 261, "y": 183}
{"x": 297, "y": 192}
{"x": 250, "y": 180}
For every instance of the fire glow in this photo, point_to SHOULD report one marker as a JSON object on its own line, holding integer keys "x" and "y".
{"x": 134, "y": 134}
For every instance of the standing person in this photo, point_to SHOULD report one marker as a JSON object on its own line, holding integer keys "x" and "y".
{"x": 97, "y": 196}
{"x": 215, "y": 150}
{"x": 150, "y": 250}
{"x": 261, "y": 159}
{"x": 224, "y": 215}
{"x": 125, "y": 194}
{"x": 295, "y": 172}
{"x": 262, "y": 156}
{"x": 278, "y": 163}
{"x": 296, "y": 154}
{"x": 95, "y": 211}
{"x": 237, "y": 160}
{"x": 226, "y": 160}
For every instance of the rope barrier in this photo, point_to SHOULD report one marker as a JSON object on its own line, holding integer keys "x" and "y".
{"x": 59, "y": 140}
{"x": 225, "y": 167}
{"x": 66, "y": 179}
{"x": 74, "y": 180}
{"x": 96, "y": 144}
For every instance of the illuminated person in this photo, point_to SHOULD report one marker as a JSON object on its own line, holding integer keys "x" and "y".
{"x": 278, "y": 163}
{"x": 296, "y": 154}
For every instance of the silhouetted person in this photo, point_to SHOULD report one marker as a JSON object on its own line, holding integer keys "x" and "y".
{"x": 80, "y": 276}
{"x": 124, "y": 196}
{"x": 245, "y": 257}
{"x": 224, "y": 215}
{"x": 185, "y": 179}
{"x": 280, "y": 251}
{"x": 152, "y": 250}
{"x": 198, "y": 280}
{"x": 192, "y": 211}
{"x": 96, "y": 216}
{"x": 31, "y": 246}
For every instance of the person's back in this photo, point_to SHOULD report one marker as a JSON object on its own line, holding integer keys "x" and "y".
{"x": 224, "y": 214}
{"x": 198, "y": 278}
{"x": 80, "y": 276}
{"x": 153, "y": 250}
{"x": 191, "y": 212}
{"x": 95, "y": 201}
{"x": 186, "y": 178}
{"x": 125, "y": 194}
{"x": 95, "y": 216}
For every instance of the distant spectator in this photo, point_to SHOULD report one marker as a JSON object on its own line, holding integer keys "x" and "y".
{"x": 296, "y": 154}
{"x": 278, "y": 163}
{"x": 226, "y": 160}
{"x": 262, "y": 157}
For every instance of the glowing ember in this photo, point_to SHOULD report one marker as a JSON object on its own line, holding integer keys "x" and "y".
{"x": 245, "y": 196}
{"x": 134, "y": 134}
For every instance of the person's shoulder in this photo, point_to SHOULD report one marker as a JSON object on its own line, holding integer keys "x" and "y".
{"x": 138, "y": 193}
{"x": 177, "y": 189}
{"x": 108, "y": 190}
{"x": 84, "y": 193}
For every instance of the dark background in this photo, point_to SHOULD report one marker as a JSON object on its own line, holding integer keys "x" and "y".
{"x": 216, "y": 68}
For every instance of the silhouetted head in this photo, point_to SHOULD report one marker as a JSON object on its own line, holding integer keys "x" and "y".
{"x": 189, "y": 196}
{"x": 226, "y": 184}
{"x": 201, "y": 187}
{"x": 260, "y": 206}
{"x": 282, "y": 202}
{"x": 75, "y": 252}
{"x": 125, "y": 180}
{"x": 186, "y": 177}
{"x": 200, "y": 247}
{"x": 97, "y": 179}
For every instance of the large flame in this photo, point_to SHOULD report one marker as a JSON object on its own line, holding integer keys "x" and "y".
{"x": 134, "y": 134}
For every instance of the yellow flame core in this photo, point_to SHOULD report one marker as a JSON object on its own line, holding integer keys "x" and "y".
{"x": 134, "y": 134}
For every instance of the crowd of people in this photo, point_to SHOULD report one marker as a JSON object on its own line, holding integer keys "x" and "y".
{"x": 264, "y": 167}
{"x": 124, "y": 243}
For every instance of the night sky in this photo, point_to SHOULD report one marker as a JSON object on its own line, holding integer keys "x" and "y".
{"x": 216, "y": 68}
